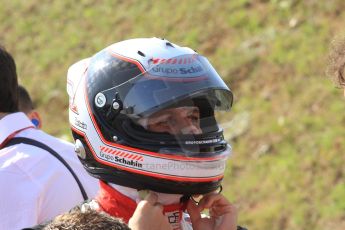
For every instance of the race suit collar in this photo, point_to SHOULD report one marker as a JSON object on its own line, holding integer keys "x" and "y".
{"x": 119, "y": 205}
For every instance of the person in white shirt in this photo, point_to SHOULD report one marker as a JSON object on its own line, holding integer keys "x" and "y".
{"x": 35, "y": 185}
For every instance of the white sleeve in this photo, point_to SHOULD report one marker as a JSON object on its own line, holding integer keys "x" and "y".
{"x": 19, "y": 200}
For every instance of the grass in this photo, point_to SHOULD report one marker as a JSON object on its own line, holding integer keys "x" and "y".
{"x": 287, "y": 171}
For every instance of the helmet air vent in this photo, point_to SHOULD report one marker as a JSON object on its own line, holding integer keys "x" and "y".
{"x": 169, "y": 44}
{"x": 141, "y": 53}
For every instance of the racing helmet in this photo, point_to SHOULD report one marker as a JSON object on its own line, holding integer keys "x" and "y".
{"x": 129, "y": 81}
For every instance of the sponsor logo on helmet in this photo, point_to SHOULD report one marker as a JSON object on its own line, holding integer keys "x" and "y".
{"x": 118, "y": 156}
{"x": 80, "y": 124}
{"x": 184, "y": 66}
{"x": 210, "y": 141}
{"x": 177, "y": 71}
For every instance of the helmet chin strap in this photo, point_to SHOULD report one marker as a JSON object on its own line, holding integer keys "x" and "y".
{"x": 163, "y": 198}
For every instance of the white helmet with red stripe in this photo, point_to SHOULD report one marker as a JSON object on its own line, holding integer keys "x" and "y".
{"x": 114, "y": 93}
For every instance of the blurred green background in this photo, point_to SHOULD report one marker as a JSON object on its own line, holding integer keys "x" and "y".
{"x": 287, "y": 126}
